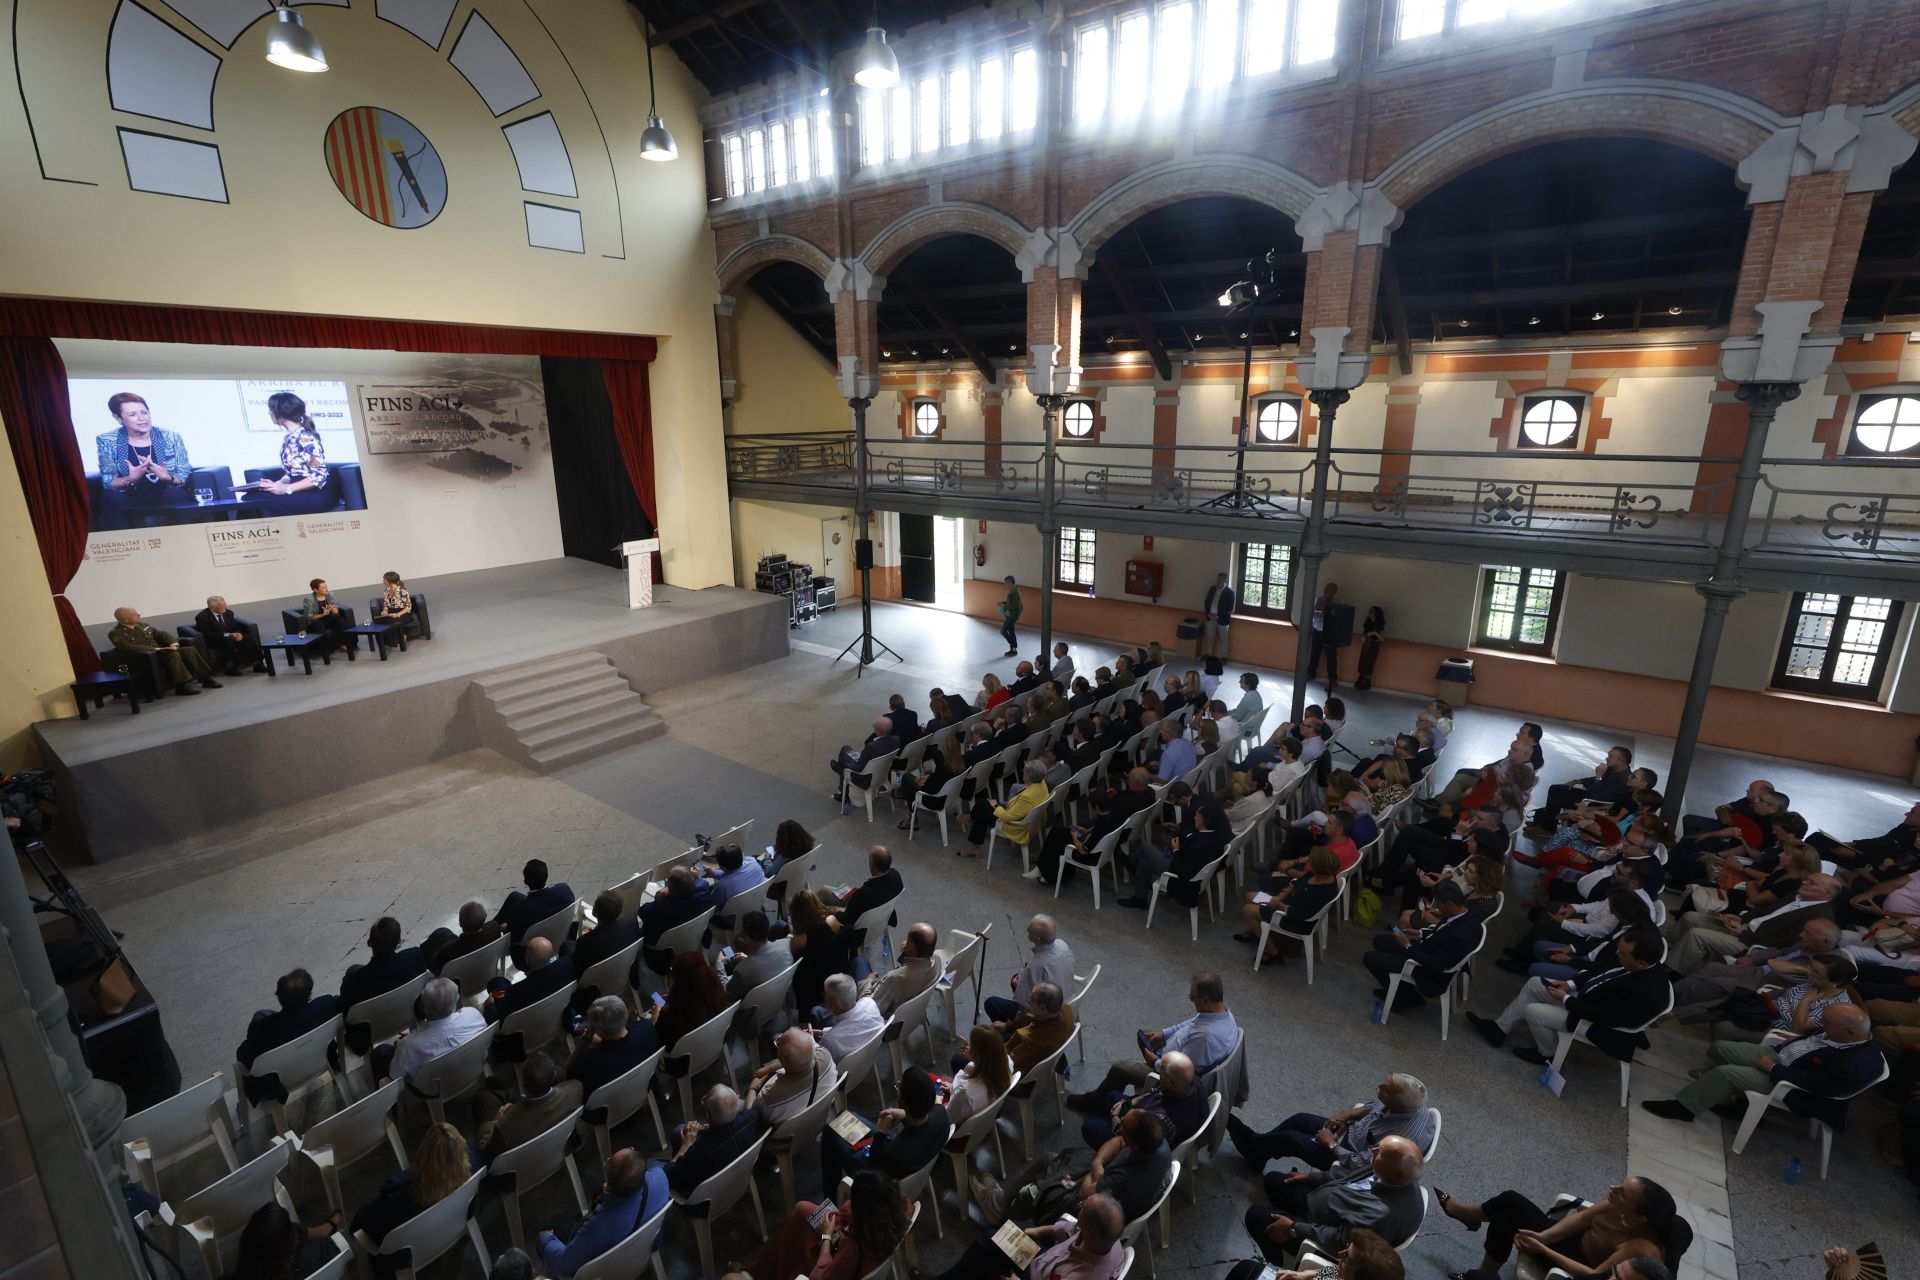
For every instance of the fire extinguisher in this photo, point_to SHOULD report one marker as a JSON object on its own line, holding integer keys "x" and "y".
{"x": 980, "y": 554}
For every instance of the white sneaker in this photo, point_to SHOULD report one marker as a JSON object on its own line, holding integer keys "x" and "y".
{"x": 1031, "y": 873}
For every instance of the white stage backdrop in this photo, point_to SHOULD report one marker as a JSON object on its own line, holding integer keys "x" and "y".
{"x": 453, "y": 452}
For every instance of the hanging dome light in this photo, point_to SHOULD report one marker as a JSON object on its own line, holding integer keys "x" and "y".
{"x": 291, "y": 45}
{"x": 655, "y": 142}
{"x": 876, "y": 67}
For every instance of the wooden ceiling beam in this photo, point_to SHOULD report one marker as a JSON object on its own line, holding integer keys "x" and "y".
{"x": 945, "y": 322}
{"x": 700, "y": 22}
{"x": 1130, "y": 305}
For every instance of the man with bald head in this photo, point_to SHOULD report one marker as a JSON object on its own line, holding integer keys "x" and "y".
{"x": 1324, "y": 1207}
{"x": 1048, "y": 960}
{"x": 1398, "y": 1109}
{"x": 545, "y": 973}
{"x": 634, "y": 1192}
{"x": 1701, "y": 936}
{"x": 1700, "y": 990}
{"x": 1174, "y": 1098}
{"x": 801, "y": 1073}
{"x": 181, "y": 666}
{"x": 706, "y": 1147}
{"x": 1828, "y": 1065}
{"x": 916, "y": 971}
{"x": 1083, "y": 1247}
{"x": 847, "y": 765}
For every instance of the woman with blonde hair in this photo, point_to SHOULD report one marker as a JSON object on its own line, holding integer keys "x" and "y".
{"x": 992, "y": 692}
{"x": 1014, "y": 815}
{"x": 1207, "y": 737}
{"x": 442, "y": 1163}
{"x": 1190, "y": 689}
{"x": 988, "y": 1074}
{"x": 1390, "y": 784}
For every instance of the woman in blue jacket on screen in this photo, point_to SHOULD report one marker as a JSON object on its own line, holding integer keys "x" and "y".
{"x": 139, "y": 462}
{"x": 302, "y": 488}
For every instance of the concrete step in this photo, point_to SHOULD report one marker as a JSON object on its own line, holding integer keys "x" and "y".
{"x": 538, "y": 674}
{"x": 590, "y": 720}
{"x": 559, "y": 691}
{"x": 577, "y": 750}
{"x": 573, "y": 710}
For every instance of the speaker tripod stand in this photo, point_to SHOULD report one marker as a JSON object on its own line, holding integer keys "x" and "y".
{"x": 866, "y": 641}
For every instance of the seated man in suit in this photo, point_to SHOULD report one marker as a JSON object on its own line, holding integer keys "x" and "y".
{"x": 228, "y": 640}
{"x": 1185, "y": 856}
{"x": 1397, "y": 1109}
{"x": 1837, "y": 1060}
{"x": 847, "y": 765}
{"x": 1324, "y": 1207}
{"x": 612, "y": 933}
{"x": 1633, "y": 992}
{"x": 906, "y": 724}
{"x": 545, "y": 1100}
{"x": 181, "y": 667}
{"x": 388, "y": 966}
{"x": 1700, "y": 936}
{"x": 704, "y": 1148}
{"x": 445, "y": 1024}
{"x": 477, "y": 929}
{"x": 634, "y": 1192}
{"x": 521, "y": 911}
{"x": 1435, "y": 949}
{"x": 906, "y": 1138}
{"x": 686, "y": 896}
{"x": 881, "y": 886}
{"x": 545, "y": 973}
{"x": 614, "y": 1042}
{"x": 1025, "y": 679}
{"x": 300, "y": 1011}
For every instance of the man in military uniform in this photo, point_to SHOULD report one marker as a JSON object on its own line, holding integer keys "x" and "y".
{"x": 183, "y": 666}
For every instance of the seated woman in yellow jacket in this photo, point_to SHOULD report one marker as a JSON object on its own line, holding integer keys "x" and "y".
{"x": 1012, "y": 815}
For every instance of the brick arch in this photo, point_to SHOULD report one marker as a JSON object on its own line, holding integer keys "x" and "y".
{"x": 1715, "y": 124}
{"x": 740, "y": 266}
{"x": 932, "y": 221}
{"x": 1164, "y": 184}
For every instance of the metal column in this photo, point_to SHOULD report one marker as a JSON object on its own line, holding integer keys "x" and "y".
{"x": 1050, "y": 406}
{"x": 1723, "y": 587}
{"x": 1313, "y": 542}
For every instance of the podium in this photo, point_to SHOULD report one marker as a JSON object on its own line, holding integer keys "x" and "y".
{"x": 639, "y": 557}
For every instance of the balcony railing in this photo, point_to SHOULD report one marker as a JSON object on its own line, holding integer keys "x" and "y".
{"x": 1869, "y": 510}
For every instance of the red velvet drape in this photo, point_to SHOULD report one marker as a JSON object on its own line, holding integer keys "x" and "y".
{"x": 39, "y": 425}
{"x": 627, "y": 389}
{"x": 126, "y": 322}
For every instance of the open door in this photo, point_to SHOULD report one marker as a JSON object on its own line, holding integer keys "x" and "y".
{"x": 916, "y": 559}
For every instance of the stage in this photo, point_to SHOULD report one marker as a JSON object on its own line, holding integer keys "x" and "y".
{"x": 187, "y": 765}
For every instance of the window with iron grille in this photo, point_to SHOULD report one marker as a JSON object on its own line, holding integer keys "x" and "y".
{"x": 1838, "y": 646}
{"x": 1266, "y": 579}
{"x": 1519, "y": 608}
{"x": 1076, "y": 558}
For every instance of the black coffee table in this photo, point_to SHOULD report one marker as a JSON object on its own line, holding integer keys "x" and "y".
{"x": 381, "y": 633}
{"x": 303, "y": 647}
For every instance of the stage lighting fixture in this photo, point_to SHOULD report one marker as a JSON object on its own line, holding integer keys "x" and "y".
{"x": 291, "y": 45}
{"x": 876, "y": 67}
{"x": 655, "y": 142}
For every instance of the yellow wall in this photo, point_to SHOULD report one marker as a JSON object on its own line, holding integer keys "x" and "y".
{"x": 288, "y": 241}
{"x": 784, "y": 384}
{"x": 33, "y": 679}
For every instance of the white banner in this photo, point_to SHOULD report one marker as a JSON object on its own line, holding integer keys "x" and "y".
{"x": 245, "y": 542}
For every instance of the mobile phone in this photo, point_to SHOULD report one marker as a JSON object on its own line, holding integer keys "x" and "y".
{"x": 659, "y": 1001}
{"x": 726, "y": 953}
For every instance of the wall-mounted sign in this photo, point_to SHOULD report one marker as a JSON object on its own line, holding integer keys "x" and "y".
{"x": 245, "y": 542}
{"x": 385, "y": 167}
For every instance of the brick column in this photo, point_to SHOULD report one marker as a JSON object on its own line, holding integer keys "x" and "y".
{"x": 1345, "y": 233}
{"x": 856, "y": 317}
{"x": 992, "y": 399}
{"x": 1055, "y": 268}
{"x": 1166, "y": 425}
{"x": 726, "y": 340}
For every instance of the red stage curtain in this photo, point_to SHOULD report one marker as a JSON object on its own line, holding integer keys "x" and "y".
{"x": 39, "y": 424}
{"x": 123, "y": 322}
{"x": 627, "y": 391}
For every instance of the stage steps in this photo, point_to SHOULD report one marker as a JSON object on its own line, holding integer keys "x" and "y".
{"x": 556, "y": 712}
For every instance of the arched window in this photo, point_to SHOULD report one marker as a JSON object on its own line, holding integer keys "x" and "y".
{"x": 1078, "y": 420}
{"x": 1550, "y": 422}
{"x": 926, "y": 418}
{"x": 1886, "y": 425}
{"x": 1277, "y": 421}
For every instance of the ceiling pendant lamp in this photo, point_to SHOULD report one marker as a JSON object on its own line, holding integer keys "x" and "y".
{"x": 291, "y": 45}
{"x": 655, "y": 142}
{"x": 876, "y": 67}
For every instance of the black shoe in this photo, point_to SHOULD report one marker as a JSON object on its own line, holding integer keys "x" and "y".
{"x": 1731, "y": 1110}
{"x": 1408, "y": 998}
{"x": 186, "y": 691}
{"x": 1138, "y": 904}
{"x": 1087, "y": 1103}
{"x": 1488, "y": 1029}
{"x": 1507, "y": 964}
{"x": 1668, "y": 1109}
{"x": 208, "y": 682}
{"x": 260, "y": 668}
{"x": 1527, "y": 1053}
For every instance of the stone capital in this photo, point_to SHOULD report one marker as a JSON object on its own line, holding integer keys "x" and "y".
{"x": 1053, "y": 247}
{"x": 854, "y": 384}
{"x": 850, "y": 275}
{"x": 1838, "y": 139}
{"x": 1344, "y": 206}
{"x": 1330, "y": 368}
{"x": 1783, "y": 350}
{"x": 723, "y": 304}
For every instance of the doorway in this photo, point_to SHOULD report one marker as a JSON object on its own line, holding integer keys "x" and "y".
{"x": 917, "y": 558}
{"x": 949, "y": 563}
{"x": 836, "y": 553}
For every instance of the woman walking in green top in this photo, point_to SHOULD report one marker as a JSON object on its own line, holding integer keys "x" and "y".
{"x": 1010, "y": 616}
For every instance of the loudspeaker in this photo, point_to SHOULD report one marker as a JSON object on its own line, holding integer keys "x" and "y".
{"x": 863, "y": 559}
{"x": 1338, "y": 623}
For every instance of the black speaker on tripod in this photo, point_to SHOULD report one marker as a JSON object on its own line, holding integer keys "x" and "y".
{"x": 863, "y": 555}
{"x": 1338, "y": 622}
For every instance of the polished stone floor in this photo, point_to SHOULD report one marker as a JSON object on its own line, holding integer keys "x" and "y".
{"x": 209, "y": 926}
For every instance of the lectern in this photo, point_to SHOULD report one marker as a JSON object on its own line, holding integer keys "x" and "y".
{"x": 639, "y": 556}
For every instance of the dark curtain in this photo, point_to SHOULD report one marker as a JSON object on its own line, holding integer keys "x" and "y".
{"x": 125, "y": 322}
{"x": 599, "y": 506}
{"x": 39, "y": 425}
{"x": 632, "y": 403}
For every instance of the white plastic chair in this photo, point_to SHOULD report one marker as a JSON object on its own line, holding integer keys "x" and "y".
{"x": 920, "y": 1183}
{"x": 632, "y": 892}
{"x": 301, "y": 1064}
{"x": 421, "y": 1239}
{"x": 384, "y": 1016}
{"x": 1758, "y": 1104}
{"x": 873, "y": 924}
{"x": 978, "y": 1127}
{"x": 1433, "y": 1144}
{"x": 351, "y": 1134}
{"x": 763, "y": 1003}
{"x": 1079, "y": 995}
{"x": 531, "y": 1163}
{"x": 1316, "y": 934}
{"x": 686, "y": 936}
{"x": 790, "y": 879}
{"x": 698, "y": 1049}
{"x": 221, "y": 1210}
{"x": 1204, "y": 878}
{"x": 452, "y": 1073}
{"x": 1579, "y": 1033}
{"x": 963, "y": 965}
{"x": 1100, "y": 859}
{"x": 631, "y": 1257}
{"x": 1224, "y": 1079}
{"x": 857, "y": 1063}
{"x": 619, "y": 1100}
{"x": 610, "y": 976}
{"x": 471, "y": 972}
{"x": 1187, "y": 1156}
{"x": 335, "y": 1268}
{"x": 752, "y": 898}
{"x": 538, "y": 1024}
{"x": 1140, "y": 1229}
{"x": 939, "y": 803}
{"x": 720, "y": 1193}
{"x": 555, "y": 928}
{"x": 800, "y": 1132}
{"x": 911, "y": 1013}
{"x": 879, "y": 773}
{"x": 1045, "y": 1070}
{"x": 166, "y": 1133}
{"x": 1446, "y": 993}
